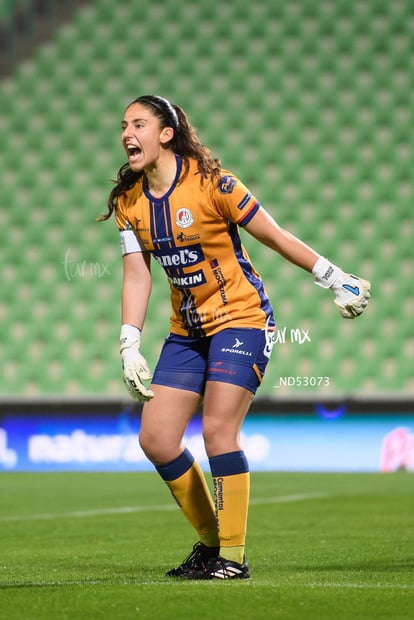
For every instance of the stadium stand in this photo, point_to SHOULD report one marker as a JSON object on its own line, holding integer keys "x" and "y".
{"x": 24, "y": 24}
{"x": 309, "y": 102}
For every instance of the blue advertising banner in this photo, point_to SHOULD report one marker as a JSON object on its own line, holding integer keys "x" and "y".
{"x": 85, "y": 441}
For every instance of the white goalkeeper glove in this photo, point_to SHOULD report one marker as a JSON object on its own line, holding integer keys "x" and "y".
{"x": 135, "y": 366}
{"x": 351, "y": 293}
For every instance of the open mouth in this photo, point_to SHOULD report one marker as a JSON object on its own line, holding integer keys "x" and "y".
{"x": 133, "y": 152}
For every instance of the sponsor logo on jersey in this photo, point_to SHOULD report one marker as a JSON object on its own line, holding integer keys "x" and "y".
{"x": 179, "y": 257}
{"x": 185, "y": 238}
{"x": 227, "y": 184}
{"x": 160, "y": 240}
{"x": 221, "y": 281}
{"x": 138, "y": 228}
{"x": 244, "y": 202}
{"x": 196, "y": 278}
{"x": 184, "y": 218}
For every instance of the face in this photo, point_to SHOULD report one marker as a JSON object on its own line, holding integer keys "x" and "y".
{"x": 142, "y": 137}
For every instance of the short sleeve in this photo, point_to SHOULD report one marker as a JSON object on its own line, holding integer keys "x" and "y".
{"x": 233, "y": 200}
{"x": 128, "y": 238}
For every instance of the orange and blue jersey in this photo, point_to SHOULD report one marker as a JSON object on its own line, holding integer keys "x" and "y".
{"x": 192, "y": 232}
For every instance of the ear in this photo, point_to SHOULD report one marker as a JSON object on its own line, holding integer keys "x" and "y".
{"x": 167, "y": 134}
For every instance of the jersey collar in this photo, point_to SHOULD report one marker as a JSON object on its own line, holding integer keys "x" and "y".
{"x": 179, "y": 163}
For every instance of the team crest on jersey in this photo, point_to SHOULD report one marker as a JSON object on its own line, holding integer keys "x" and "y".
{"x": 226, "y": 184}
{"x": 184, "y": 218}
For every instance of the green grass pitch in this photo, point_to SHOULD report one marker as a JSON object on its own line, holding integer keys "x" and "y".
{"x": 96, "y": 545}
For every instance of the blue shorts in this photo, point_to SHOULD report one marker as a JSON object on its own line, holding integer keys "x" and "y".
{"x": 234, "y": 355}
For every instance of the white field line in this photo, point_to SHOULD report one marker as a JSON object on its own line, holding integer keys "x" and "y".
{"x": 253, "y": 583}
{"x": 364, "y": 586}
{"x": 74, "y": 514}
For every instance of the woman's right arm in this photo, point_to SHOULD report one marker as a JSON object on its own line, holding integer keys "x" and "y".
{"x": 136, "y": 288}
{"x": 136, "y": 291}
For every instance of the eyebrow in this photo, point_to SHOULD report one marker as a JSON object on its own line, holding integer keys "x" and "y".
{"x": 135, "y": 120}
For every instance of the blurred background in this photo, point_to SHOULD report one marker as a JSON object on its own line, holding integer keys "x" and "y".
{"x": 309, "y": 102}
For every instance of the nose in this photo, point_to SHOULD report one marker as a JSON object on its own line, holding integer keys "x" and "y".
{"x": 126, "y": 132}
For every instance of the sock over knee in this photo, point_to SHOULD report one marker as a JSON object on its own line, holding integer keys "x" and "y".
{"x": 231, "y": 494}
{"x": 188, "y": 486}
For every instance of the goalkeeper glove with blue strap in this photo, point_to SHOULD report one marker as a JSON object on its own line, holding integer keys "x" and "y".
{"x": 351, "y": 293}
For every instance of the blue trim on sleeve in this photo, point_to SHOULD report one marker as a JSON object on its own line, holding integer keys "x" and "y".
{"x": 244, "y": 202}
{"x": 246, "y": 219}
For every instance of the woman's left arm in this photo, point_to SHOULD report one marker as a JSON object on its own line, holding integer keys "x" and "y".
{"x": 351, "y": 293}
{"x": 264, "y": 228}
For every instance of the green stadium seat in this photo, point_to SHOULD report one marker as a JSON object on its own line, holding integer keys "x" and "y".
{"x": 309, "y": 103}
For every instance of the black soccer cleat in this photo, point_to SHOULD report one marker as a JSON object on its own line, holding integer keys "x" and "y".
{"x": 195, "y": 562}
{"x": 220, "y": 568}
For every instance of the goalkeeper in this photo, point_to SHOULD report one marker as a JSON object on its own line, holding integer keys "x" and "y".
{"x": 174, "y": 201}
